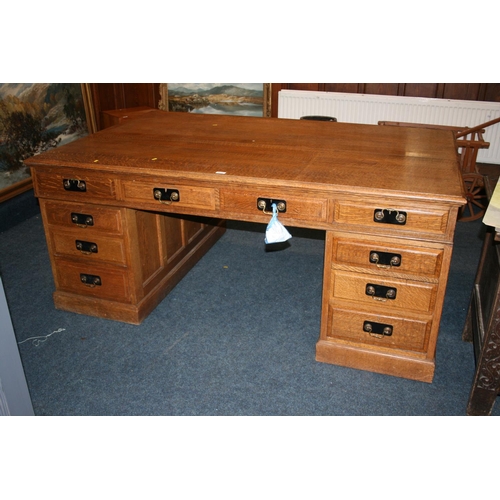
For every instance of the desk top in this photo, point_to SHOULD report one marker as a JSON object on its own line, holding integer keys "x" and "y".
{"x": 364, "y": 159}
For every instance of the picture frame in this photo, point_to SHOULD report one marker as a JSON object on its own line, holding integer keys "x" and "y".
{"x": 244, "y": 99}
{"x": 43, "y": 116}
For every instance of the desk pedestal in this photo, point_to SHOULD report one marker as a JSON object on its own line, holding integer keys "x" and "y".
{"x": 118, "y": 263}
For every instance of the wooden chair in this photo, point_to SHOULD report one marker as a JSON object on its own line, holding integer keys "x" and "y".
{"x": 319, "y": 118}
{"x": 482, "y": 325}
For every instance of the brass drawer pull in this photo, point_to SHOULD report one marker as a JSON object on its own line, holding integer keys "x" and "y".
{"x": 166, "y": 196}
{"x": 74, "y": 185}
{"x": 385, "y": 260}
{"x": 380, "y": 292}
{"x": 90, "y": 280}
{"x": 86, "y": 247}
{"x": 82, "y": 220}
{"x": 389, "y": 216}
{"x": 377, "y": 330}
{"x": 266, "y": 205}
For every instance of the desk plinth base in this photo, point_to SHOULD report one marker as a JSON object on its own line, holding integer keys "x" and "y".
{"x": 374, "y": 361}
{"x": 106, "y": 309}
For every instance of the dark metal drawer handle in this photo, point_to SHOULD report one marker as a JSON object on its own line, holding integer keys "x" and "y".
{"x": 166, "y": 196}
{"x": 90, "y": 280}
{"x": 266, "y": 205}
{"x": 82, "y": 220}
{"x": 74, "y": 185}
{"x": 377, "y": 330}
{"x": 86, "y": 247}
{"x": 380, "y": 292}
{"x": 385, "y": 260}
{"x": 389, "y": 216}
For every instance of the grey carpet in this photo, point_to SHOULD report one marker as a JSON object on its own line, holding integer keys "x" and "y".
{"x": 236, "y": 337}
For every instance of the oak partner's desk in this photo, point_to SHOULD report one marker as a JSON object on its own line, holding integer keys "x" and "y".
{"x": 387, "y": 198}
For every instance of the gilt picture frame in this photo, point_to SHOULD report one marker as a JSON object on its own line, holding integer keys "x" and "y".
{"x": 244, "y": 99}
{"x": 35, "y": 117}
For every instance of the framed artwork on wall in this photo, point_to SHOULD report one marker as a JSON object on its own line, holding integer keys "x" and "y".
{"x": 35, "y": 117}
{"x": 244, "y": 99}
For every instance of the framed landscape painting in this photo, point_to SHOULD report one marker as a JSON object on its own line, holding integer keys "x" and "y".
{"x": 244, "y": 99}
{"x": 35, "y": 117}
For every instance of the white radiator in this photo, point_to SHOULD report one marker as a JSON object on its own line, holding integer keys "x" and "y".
{"x": 370, "y": 109}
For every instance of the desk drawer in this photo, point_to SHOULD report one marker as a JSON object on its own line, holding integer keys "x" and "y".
{"x": 387, "y": 293}
{"x": 387, "y": 257}
{"x": 192, "y": 197}
{"x": 362, "y": 327}
{"x": 398, "y": 218}
{"x": 73, "y": 215}
{"x": 90, "y": 247}
{"x": 113, "y": 281}
{"x": 244, "y": 202}
{"x": 74, "y": 186}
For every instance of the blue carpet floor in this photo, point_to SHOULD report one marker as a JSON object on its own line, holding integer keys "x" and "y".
{"x": 236, "y": 337}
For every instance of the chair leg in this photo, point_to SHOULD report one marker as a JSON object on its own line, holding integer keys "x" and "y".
{"x": 481, "y": 402}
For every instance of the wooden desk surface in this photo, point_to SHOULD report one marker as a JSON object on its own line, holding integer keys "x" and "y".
{"x": 415, "y": 163}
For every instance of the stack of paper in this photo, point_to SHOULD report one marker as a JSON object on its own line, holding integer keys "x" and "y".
{"x": 492, "y": 215}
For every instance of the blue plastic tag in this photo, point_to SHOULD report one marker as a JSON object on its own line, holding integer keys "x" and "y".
{"x": 276, "y": 232}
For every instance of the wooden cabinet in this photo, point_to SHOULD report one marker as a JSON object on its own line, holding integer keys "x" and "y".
{"x": 128, "y": 210}
{"x": 116, "y": 96}
{"x": 113, "y": 117}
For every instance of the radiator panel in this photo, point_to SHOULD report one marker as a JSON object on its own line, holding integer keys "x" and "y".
{"x": 371, "y": 108}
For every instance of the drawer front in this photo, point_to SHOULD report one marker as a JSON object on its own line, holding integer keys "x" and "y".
{"x": 408, "y": 295}
{"x": 360, "y": 327}
{"x": 245, "y": 202}
{"x": 113, "y": 281}
{"x": 190, "y": 197}
{"x": 70, "y": 215}
{"x": 89, "y": 247}
{"x": 387, "y": 258}
{"x": 411, "y": 219}
{"x": 74, "y": 186}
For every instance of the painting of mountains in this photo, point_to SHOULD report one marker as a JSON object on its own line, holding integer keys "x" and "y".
{"x": 245, "y": 99}
{"x": 35, "y": 117}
